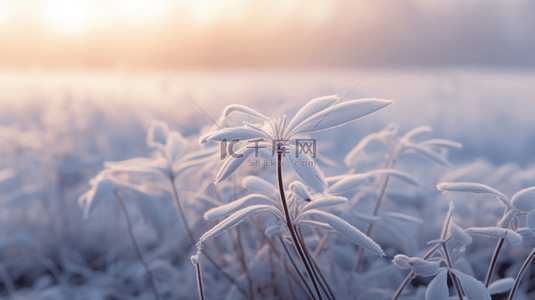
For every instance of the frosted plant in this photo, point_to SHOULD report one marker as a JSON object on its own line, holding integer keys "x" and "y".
{"x": 302, "y": 206}
{"x": 524, "y": 201}
{"x": 429, "y": 266}
{"x": 397, "y": 148}
{"x": 509, "y": 219}
{"x": 318, "y": 114}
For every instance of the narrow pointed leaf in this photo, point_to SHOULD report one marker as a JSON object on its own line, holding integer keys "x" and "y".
{"x": 402, "y": 217}
{"x": 441, "y": 143}
{"x": 340, "y": 114}
{"x": 324, "y": 202}
{"x": 348, "y": 182}
{"x": 368, "y": 218}
{"x": 316, "y": 224}
{"x": 414, "y": 132}
{"x": 139, "y": 165}
{"x": 234, "y": 133}
{"x": 312, "y": 107}
{"x": 350, "y": 157}
{"x": 446, "y": 222}
{"x": 530, "y": 221}
{"x": 242, "y": 109}
{"x": 176, "y": 145}
{"x": 460, "y": 235}
{"x": 231, "y": 221}
{"x": 307, "y": 169}
{"x": 258, "y": 184}
{"x": 300, "y": 190}
{"x": 525, "y": 199}
{"x": 234, "y": 206}
{"x": 231, "y": 164}
{"x": 349, "y": 231}
{"x": 94, "y": 196}
{"x": 423, "y": 267}
{"x": 471, "y": 187}
{"x": 396, "y": 173}
{"x": 430, "y": 154}
{"x": 496, "y": 232}
{"x": 508, "y": 217}
{"x": 474, "y": 289}
{"x": 438, "y": 287}
{"x": 501, "y": 285}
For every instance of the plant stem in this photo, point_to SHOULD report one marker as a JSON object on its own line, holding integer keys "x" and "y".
{"x": 290, "y": 225}
{"x": 521, "y": 274}
{"x": 199, "y": 280}
{"x": 388, "y": 165}
{"x": 408, "y": 278}
{"x": 295, "y": 267}
{"x": 192, "y": 239}
{"x": 138, "y": 252}
{"x": 315, "y": 268}
{"x": 493, "y": 262}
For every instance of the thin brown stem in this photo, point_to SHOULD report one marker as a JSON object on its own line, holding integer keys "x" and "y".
{"x": 289, "y": 224}
{"x": 138, "y": 252}
{"x": 521, "y": 274}
{"x": 199, "y": 280}
{"x": 192, "y": 239}
{"x": 295, "y": 267}
{"x": 315, "y": 268}
{"x": 493, "y": 262}
{"x": 388, "y": 165}
{"x": 241, "y": 258}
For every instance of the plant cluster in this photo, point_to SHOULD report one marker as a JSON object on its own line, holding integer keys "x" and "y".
{"x": 285, "y": 230}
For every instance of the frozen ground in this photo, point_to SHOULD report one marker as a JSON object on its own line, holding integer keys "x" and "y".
{"x": 57, "y": 129}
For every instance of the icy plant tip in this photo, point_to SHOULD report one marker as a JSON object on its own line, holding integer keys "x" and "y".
{"x": 318, "y": 114}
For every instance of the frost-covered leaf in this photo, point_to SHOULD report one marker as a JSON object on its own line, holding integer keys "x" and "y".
{"x": 501, "y": 285}
{"x": 232, "y": 207}
{"x": 396, "y": 173}
{"x": 402, "y": 217}
{"x": 524, "y": 200}
{"x": 324, "y": 201}
{"x": 182, "y": 166}
{"x": 441, "y": 143}
{"x": 430, "y": 154}
{"x": 140, "y": 165}
{"x": 474, "y": 289}
{"x": 232, "y": 163}
{"x": 368, "y": 218}
{"x": 340, "y": 114}
{"x": 348, "y": 182}
{"x": 277, "y": 229}
{"x": 307, "y": 169}
{"x": 530, "y": 221}
{"x": 390, "y": 130}
{"x": 414, "y": 132}
{"x": 438, "y": 287}
{"x": 258, "y": 184}
{"x": 423, "y": 267}
{"x": 471, "y": 187}
{"x": 242, "y": 133}
{"x": 458, "y": 234}
{"x": 312, "y": 107}
{"x": 496, "y": 232}
{"x": 349, "y": 231}
{"x": 508, "y": 216}
{"x": 157, "y": 134}
{"x": 242, "y": 109}
{"x": 298, "y": 188}
{"x": 176, "y": 145}
{"x": 316, "y": 224}
{"x": 446, "y": 221}
{"x": 402, "y": 261}
{"x": 91, "y": 199}
{"x": 233, "y": 220}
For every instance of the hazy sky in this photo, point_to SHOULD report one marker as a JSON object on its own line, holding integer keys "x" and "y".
{"x": 265, "y": 33}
